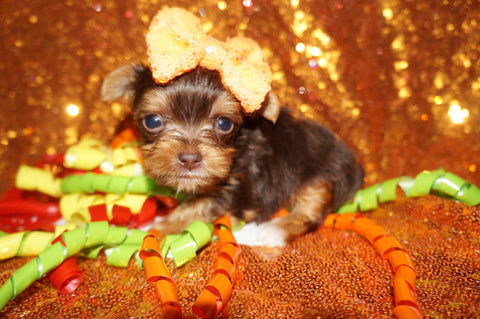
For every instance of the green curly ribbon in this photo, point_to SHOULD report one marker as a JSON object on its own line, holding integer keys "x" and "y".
{"x": 91, "y": 182}
{"x": 183, "y": 247}
{"x": 124, "y": 243}
{"x": 36, "y": 179}
{"x": 438, "y": 182}
{"x": 28, "y": 243}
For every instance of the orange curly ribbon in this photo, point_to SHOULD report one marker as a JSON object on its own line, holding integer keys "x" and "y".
{"x": 177, "y": 44}
{"x": 219, "y": 290}
{"x": 406, "y": 305}
{"x": 157, "y": 274}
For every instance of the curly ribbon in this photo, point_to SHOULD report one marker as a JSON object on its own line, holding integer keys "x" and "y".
{"x": 126, "y": 198}
{"x": 37, "y": 179}
{"x": 86, "y": 155}
{"x": 91, "y": 182}
{"x": 99, "y": 234}
{"x": 66, "y": 277}
{"x": 438, "y": 182}
{"x": 183, "y": 248}
{"x": 219, "y": 289}
{"x": 123, "y": 215}
{"x": 22, "y": 214}
{"x": 157, "y": 274}
{"x": 90, "y": 154}
{"x": 29, "y": 208}
{"x": 22, "y": 244}
{"x": 406, "y": 305}
{"x": 76, "y": 207}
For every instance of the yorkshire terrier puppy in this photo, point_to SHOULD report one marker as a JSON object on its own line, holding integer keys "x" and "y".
{"x": 198, "y": 140}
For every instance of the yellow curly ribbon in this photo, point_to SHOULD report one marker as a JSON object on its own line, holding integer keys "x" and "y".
{"x": 36, "y": 179}
{"x": 89, "y": 154}
{"x": 86, "y": 155}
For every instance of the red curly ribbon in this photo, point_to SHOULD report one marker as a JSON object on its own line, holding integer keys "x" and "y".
{"x": 18, "y": 212}
{"x": 122, "y": 216}
{"x": 98, "y": 213}
{"x": 66, "y": 277}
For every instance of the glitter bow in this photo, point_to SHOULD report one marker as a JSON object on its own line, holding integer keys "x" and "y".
{"x": 177, "y": 44}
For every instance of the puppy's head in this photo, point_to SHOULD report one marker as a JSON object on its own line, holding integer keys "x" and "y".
{"x": 188, "y": 126}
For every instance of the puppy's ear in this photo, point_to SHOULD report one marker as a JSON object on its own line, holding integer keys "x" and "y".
{"x": 270, "y": 108}
{"x": 120, "y": 83}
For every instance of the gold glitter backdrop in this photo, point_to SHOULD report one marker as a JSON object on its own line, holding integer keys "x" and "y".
{"x": 398, "y": 80}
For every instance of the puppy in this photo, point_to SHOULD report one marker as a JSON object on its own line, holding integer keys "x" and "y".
{"x": 197, "y": 139}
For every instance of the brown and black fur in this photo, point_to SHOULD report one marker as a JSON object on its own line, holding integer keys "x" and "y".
{"x": 249, "y": 172}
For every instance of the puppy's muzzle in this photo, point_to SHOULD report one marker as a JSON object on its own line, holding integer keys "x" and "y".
{"x": 190, "y": 160}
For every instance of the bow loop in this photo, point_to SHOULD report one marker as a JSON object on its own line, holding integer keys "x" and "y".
{"x": 246, "y": 73}
{"x": 174, "y": 43}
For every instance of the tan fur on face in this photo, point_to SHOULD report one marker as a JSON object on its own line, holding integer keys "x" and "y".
{"x": 162, "y": 165}
{"x": 161, "y": 156}
{"x": 153, "y": 102}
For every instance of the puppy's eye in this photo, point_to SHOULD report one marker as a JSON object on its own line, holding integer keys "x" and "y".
{"x": 224, "y": 124}
{"x": 152, "y": 122}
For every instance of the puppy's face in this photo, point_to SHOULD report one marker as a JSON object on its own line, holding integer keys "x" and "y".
{"x": 188, "y": 125}
{"x": 188, "y": 128}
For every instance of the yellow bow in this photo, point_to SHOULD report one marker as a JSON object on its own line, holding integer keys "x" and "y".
{"x": 177, "y": 44}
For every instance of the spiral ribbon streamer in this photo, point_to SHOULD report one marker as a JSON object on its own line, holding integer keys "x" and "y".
{"x": 36, "y": 179}
{"x": 183, "y": 247}
{"x": 218, "y": 290}
{"x": 89, "y": 154}
{"x": 157, "y": 274}
{"x": 124, "y": 197}
{"x": 66, "y": 277}
{"x": 437, "y": 182}
{"x": 406, "y": 305}
{"x": 120, "y": 244}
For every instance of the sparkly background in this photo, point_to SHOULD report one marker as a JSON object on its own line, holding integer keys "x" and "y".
{"x": 398, "y": 80}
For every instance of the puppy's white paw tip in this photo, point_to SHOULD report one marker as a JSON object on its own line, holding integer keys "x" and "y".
{"x": 265, "y": 234}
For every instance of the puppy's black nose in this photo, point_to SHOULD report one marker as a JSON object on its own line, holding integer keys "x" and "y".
{"x": 190, "y": 160}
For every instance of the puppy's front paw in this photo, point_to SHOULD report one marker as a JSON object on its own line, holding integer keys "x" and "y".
{"x": 266, "y": 234}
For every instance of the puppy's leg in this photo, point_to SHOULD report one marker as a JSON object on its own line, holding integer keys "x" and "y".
{"x": 312, "y": 205}
{"x": 205, "y": 209}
